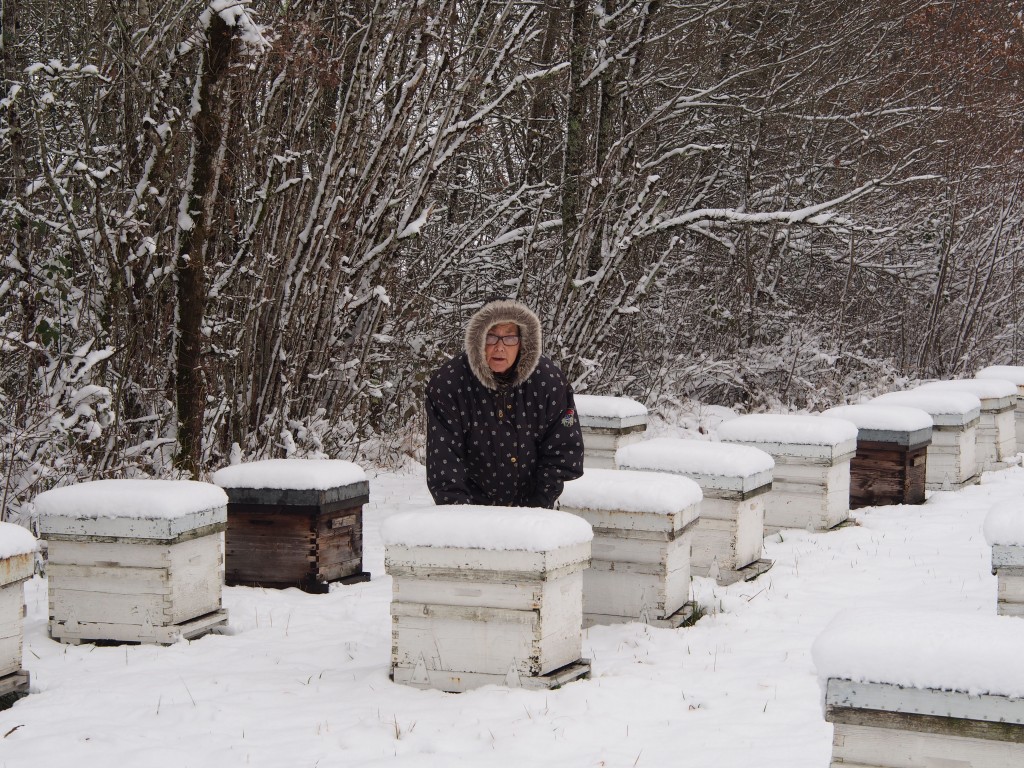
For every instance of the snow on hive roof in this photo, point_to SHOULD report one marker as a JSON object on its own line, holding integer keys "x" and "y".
{"x": 1004, "y": 525}
{"x": 934, "y": 401}
{"x": 290, "y": 474}
{"x": 1014, "y": 373}
{"x": 986, "y": 389}
{"x": 890, "y": 418}
{"x": 608, "y": 407}
{"x": 135, "y": 498}
{"x": 971, "y": 652}
{"x": 794, "y": 429}
{"x": 694, "y": 457}
{"x": 15, "y": 540}
{"x": 497, "y": 528}
{"x": 628, "y": 491}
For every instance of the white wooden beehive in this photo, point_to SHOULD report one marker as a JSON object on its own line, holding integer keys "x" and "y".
{"x": 1004, "y": 531}
{"x": 607, "y": 424}
{"x": 952, "y": 456}
{"x": 486, "y": 595}
{"x": 734, "y": 480}
{"x": 17, "y": 564}
{"x": 134, "y": 560}
{"x": 956, "y": 714}
{"x": 811, "y": 482}
{"x": 997, "y": 428}
{"x": 1014, "y": 373}
{"x": 643, "y": 533}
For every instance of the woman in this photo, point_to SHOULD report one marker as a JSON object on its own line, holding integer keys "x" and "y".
{"x": 501, "y": 421}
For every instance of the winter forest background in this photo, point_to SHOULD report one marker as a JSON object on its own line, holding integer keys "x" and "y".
{"x": 264, "y": 224}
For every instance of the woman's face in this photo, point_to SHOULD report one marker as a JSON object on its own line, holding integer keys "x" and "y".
{"x": 499, "y": 356}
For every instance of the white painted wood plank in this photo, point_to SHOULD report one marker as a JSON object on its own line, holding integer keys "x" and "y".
{"x": 607, "y": 441}
{"x": 487, "y": 559}
{"x": 109, "y": 555}
{"x": 923, "y": 701}
{"x": 490, "y": 643}
{"x": 72, "y": 606}
{"x": 10, "y": 654}
{"x": 459, "y": 682}
{"x": 863, "y": 745}
{"x": 17, "y": 568}
{"x": 89, "y": 631}
{"x": 12, "y": 602}
{"x": 1007, "y": 556}
{"x": 638, "y": 521}
{"x": 140, "y": 527}
{"x": 522, "y": 596}
{"x": 122, "y": 581}
{"x": 197, "y": 577}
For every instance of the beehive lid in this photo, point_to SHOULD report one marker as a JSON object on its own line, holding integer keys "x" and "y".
{"x": 713, "y": 466}
{"x": 796, "y": 435}
{"x": 467, "y": 526}
{"x": 17, "y": 551}
{"x": 504, "y": 543}
{"x": 648, "y": 494}
{"x": 601, "y": 412}
{"x": 946, "y": 407}
{"x": 133, "y": 509}
{"x": 899, "y": 424}
{"x": 970, "y": 652}
{"x": 1014, "y": 373}
{"x": 995, "y": 394}
{"x": 298, "y": 482}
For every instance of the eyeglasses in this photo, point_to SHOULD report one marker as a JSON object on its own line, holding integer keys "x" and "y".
{"x": 508, "y": 341}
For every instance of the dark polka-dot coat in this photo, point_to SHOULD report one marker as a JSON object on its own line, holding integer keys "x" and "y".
{"x": 515, "y": 445}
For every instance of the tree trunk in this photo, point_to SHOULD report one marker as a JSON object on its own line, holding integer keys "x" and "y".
{"x": 195, "y": 232}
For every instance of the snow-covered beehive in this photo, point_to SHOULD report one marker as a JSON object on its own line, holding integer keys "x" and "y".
{"x": 134, "y": 560}
{"x": 906, "y": 689}
{"x": 608, "y": 423}
{"x": 1015, "y": 374}
{"x": 17, "y": 564}
{"x": 997, "y": 428}
{"x": 1004, "y": 531}
{"x": 892, "y": 453}
{"x": 811, "y": 483}
{"x": 294, "y": 523}
{"x": 952, "y": 456}
{"x": 486, "y": 595}
{"x": 643, "y": 531}
{"x": 734, "y": 480}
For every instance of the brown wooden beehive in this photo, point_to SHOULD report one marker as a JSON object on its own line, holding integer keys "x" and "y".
{"x": 295, "y": 537}
{"x": 890, "y": 465}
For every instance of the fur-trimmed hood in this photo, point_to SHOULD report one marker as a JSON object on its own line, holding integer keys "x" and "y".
{"x": 495, "y": 313}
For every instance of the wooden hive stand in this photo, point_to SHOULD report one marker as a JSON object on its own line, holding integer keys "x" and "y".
{"x": 608, "y": 423}
{"x": 643, "y": 533}
{"x": 1004, "y": 531}
{"x": 735, "y": 481}
{"x": 294, "y": 523}
{"x": 997, "y": 426}
{"x": 923, "y": 690}
{"x": 952, "y": 455}
{"x": 811, "y": 483}
{"x": 1015, "y": 374}
{"x": 134, "y": 560}
{"x": 892, "y": 454}
{"x": 17, "y": 565}
{"x": 486, "y": 595}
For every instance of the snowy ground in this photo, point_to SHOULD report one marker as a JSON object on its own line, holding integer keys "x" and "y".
{"x": 302, "y": 680}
